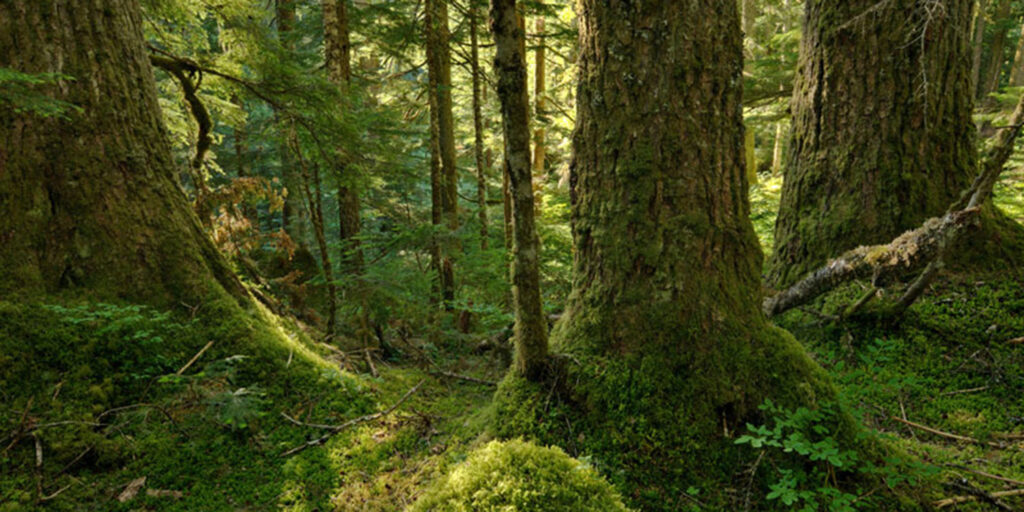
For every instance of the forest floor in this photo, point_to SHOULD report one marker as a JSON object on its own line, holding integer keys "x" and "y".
{"x": 85, "y": 420}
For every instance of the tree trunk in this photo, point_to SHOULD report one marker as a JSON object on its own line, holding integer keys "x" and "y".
{"x": 673, "y": 351}
{"x": 338, "y": 60}
{"x": 1017, "y": 73}
{"x": 91, "y": 203}
{"x": 478, "y": 124}
{"x": 998, "y": 49}
{"x": 444, "y": 175}
{"x": 539, "y": 89}
{"x": 777, "y": 150}
{"x": 978, "y": 45}
{"x": 882, "y": 135}
{"x": 294, "y": 220}
{"x": 510, "y": 66}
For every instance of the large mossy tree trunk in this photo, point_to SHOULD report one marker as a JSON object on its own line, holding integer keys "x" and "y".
{"x": 670, "y": 352}
{"x": 90, "y": 204}
{"x": 882, "y": 136}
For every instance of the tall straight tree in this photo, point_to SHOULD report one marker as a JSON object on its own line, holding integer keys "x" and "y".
{"x": 91, "y": 204}
{"x": 997, "y": 49}
{"x": 443, "y": 172}
{"x": 539, "y": 101}
{"x": 478, "y": 121}
{"x": 294, "y": 220}
{"x": 338, "y": 60}
{"x": 882, "y": 136}
{"x": 671, "y": 350}
{"x": 531, "y": 341}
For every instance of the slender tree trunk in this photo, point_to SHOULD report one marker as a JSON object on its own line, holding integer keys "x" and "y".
{"x": 978, "y": 45}
{"x": 338, "y": 59}
{"x": 510, "y": 66}
{"x": 243, "y": 165}
{"x": 314, "y": 200}
{"x": 293, "y": 215}
{"x": 478, "y": 124}
{"x": 1017, "y": 73}
{"x": 539, "y": 90}
{"x": 440, "y": 70}
{"x": 91, "y": 203}
{"x": 998, "y": 49}
{"x": 882, "y": 135}
{"x": 777, "y": 149}
{"x": 664, "y": 317}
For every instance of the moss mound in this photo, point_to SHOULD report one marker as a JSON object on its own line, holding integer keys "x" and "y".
{"x": 517, "y": 476}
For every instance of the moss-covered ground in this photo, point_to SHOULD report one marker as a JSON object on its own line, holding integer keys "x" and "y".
{"x": 90, "y": 402}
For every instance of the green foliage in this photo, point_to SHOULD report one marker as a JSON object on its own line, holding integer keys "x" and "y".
{"x": 20, "y": 91}
{"x": 522, "y": 477}
{"x": 808, "y": 435}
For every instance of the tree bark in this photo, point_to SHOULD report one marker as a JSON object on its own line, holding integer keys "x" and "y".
{"x": 338, "y": 60}
{"x": 444, "y": 175}
{"x": 294, "y": 220}
{"x": 510, "y": 66}
{"x": 978, "y": 45}
{"x": 90, "y": 204}
{"x": 478, "y": 124}
{"x": 1017, "y": 73}
{"x": 882, "y": 135}
{"x": 664, "y": 316}
{"x": 539, "y": 90}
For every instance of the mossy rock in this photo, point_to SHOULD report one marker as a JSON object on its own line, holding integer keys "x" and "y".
{"x": 518, "y": 476}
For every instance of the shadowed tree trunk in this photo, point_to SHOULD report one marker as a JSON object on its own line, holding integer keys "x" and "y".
{"x": 294, "y": 220}
{"x": 882, "y": 135}
{"x": 510, "y": 66}
{"x": 539, "y": 90}
{"x": 669, "y": 345}
{"x": 997, "y": 49}
{"x": 91, "y": 203}
{"x": 978, "y": 44}
{"x": 444, "y": 175}
{"x": 478, "y": 123}
{"x": 1017, "y": 73}
{"x": 338, "y": 59}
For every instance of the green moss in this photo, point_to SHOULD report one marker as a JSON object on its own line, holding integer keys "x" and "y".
{"x": 521, "y": 477}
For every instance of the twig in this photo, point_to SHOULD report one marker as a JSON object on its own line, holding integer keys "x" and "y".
{"x": 947, "y": 434}
{"x": 964, "y": 391}
{"x": 963, "y": 499}
{"x": 49, "y": 497}
{"x": 195, "y": 358}
{"x": 362, "y": 419}
{"x": 467, "y": 378}
{"x": 986, "y": 475}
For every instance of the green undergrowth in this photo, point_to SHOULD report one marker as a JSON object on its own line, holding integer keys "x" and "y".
{"x": 953, "y": 363}
{"x": 92, "y": 401}
{"x": 645, "y": 426}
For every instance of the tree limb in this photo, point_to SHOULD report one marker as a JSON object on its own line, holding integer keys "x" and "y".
{"x": 183, "y": 72}
{"x": 926, "y": 246}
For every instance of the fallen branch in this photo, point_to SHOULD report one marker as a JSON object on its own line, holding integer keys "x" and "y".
{"x": 925, "y": 247}
{"x": 947, "y": 435}
{"x": 334, "y": 429}
{"x": 195, "y": 358}
{"x": 884, "y": 264}
{"x": 986, "y": 475}
{"x": 964, "y": 499}
{"x": 466, "y": 378}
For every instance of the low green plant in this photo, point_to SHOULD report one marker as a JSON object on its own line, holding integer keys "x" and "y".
{"x": 813, "y": 472}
